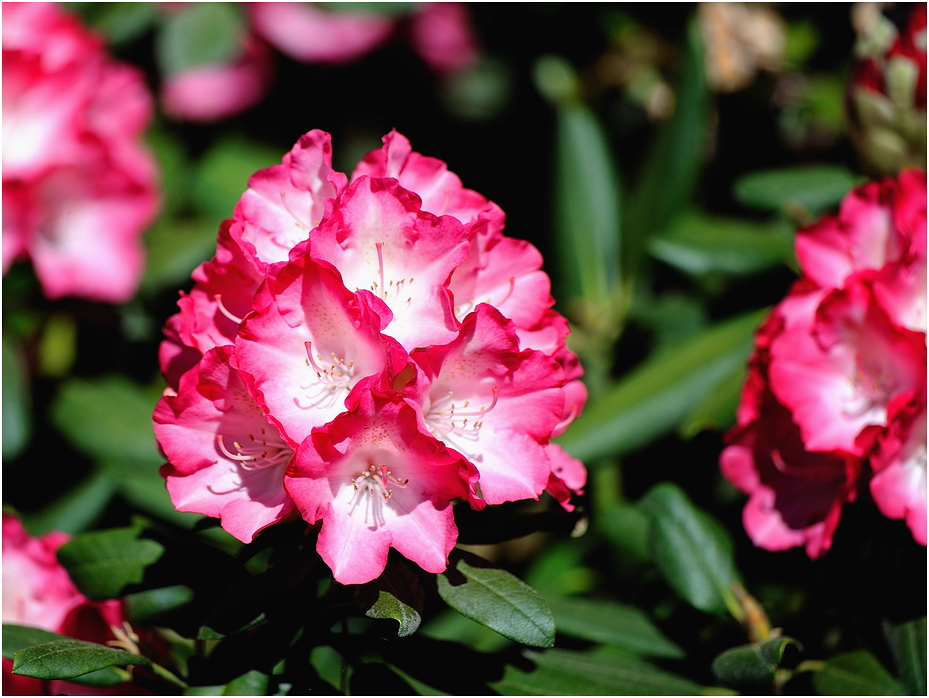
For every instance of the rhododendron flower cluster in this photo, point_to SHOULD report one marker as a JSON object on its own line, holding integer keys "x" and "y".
{"x": 78, "y": 186}
{"x": 38, "y": 592}
{"x": 836, "y": 391}
{"x": 363, "y": 351}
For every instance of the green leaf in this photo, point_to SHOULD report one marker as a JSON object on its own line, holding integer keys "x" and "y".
{"x": 77, "y": 509}
{"x": 565, "y": 672}
{"x": 200, "y": 34}
{"x": 660, "y": 392}
{"x": 587, "y": 200}
{"x": 497, "y": 599}
{"x": 699, "y": 244}
{"x": 253, "y": 683}
{"x": 813, "y": 189}
{"x": 389, "y": 606}
{"x": 669, "y": 175}
{"x": 612, "y": 623}
{"x": 108, "y": 418}
{"x": 223, "y": 174}
{"x": 102, "y": 563}
{"x": 175, "y": 248}
{"x": 751, "y": 668}
{"x": 17, "y": 419}
{"x": 908, "y": 643}
{"x": 120, "y": 22}
{"x": 717, "y": 409}
{"x": 18, "y": 637}
{"x": 66, "y": 659}
{"x": 855, "y": 674}
{"x": 142, "y": 606}
{"x": 692, "y": 550}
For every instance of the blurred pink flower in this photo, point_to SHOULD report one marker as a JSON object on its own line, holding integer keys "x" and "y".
{"x": 38, "y": 592}
{"x": 216, "y": 91}
{"x": 79, "y": 188}
{"x": 838, "y": 376}
{"x": 442, "y": 34}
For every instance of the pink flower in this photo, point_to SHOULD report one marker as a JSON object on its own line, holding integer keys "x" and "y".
{"x": 225, "y": 459}
{"x": 313, "y": 34}
{"x": 376, "y": 482}
{"x": 38, "y": 592}
{"x": 838, "y": 376}
{"x": 441, "y": 33}
{"x": 216, "y": 91}
{"x": 78, "y": 186}
{"x": 363, "y": 326}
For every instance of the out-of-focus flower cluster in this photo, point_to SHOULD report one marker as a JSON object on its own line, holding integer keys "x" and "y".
{"x": 38, "y": 592}
{"x": 78, "y": 186}
{"x": 440, "y": 33}
{"x": 365, "y": 350}
{"x": 887, "y": 95}
{"x": 836, "y": 391}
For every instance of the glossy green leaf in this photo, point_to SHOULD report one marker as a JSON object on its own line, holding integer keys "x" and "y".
{"x": 389, "y": 606}
{"x": 200, "y": 34}
{"x": 587, "y": 207}
{"x": 252, "y": 683}
{"x": 751, "y": 668}
{"x": 565, "y": 672}
{"x": 668, "y": 177}
{"x": 502, "y": 602}
{"x": 692, "y": 550}
{"x": 612, "y": 623}
{"x": 17, "y": 419}
{"x": 77, "y": 509}
{"x": 661, "y": 392}
{"x": 223, "y": 174}
{"x": 102, "y": 563}
{"x": 66, "y": 659}
{"x": 108, "y": 418}
{"x": 142, "y": 606}
{"x": 813, "y": 189}
{"x": 855, "y": 674}
{"x": 699, "y": 244}
{"x": 908, "y": 643}
{"x": 18, "y": 637}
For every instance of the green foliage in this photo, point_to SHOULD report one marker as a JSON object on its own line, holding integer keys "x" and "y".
{"x": 693, "y": 551}
{"x": 17, "y": 421}
{"x": 612, "y": 623}
{"x": 223, "y": 174}
{"x": 811, "y": 189}
{"x": 751, "y": 668}
{"x": 908, "y": 643}
{"x": 19, "y": 637}
{"x": 102, "y": 563}
{"x": 855, "y": 674}
{"x": 502, "y": 602}
{"x": 66, "y": 659}
{"x": 661, "y": 392}
{"x": 252, "y": 683}
{"x": 566, "y": 672}
{"x": 200, "y": 34}
{"x": 389, "y": 606}
{"x": 145, "y": 606}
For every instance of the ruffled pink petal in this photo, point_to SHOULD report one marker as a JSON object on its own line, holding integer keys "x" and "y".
{"x": 314, "y": 35}
{"x": 380, "y": 241}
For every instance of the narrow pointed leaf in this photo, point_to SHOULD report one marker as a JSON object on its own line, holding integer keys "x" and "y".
{"x": 614, "y": 624}
{"x": 661, "y": 392}
{"x": 692, "y": 550}
{"x": 565, "y": 672}
{"x": 66, "y": 659}
{"x": 18, "y": 637}
{"x": 502, "y": 602}
{"x": 811, "y": 188}
{"x": 908, "y": 644}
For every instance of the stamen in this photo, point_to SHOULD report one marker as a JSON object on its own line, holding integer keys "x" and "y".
{"x": 374, "y": 486}
{"x": 222, "y": 308}
{"x": 300, "y": 224}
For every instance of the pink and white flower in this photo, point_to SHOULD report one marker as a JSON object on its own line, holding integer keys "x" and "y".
{"x": 367, "y": 352}
{"x": 838, "y": 376}
{"x": 79, "y": 188}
